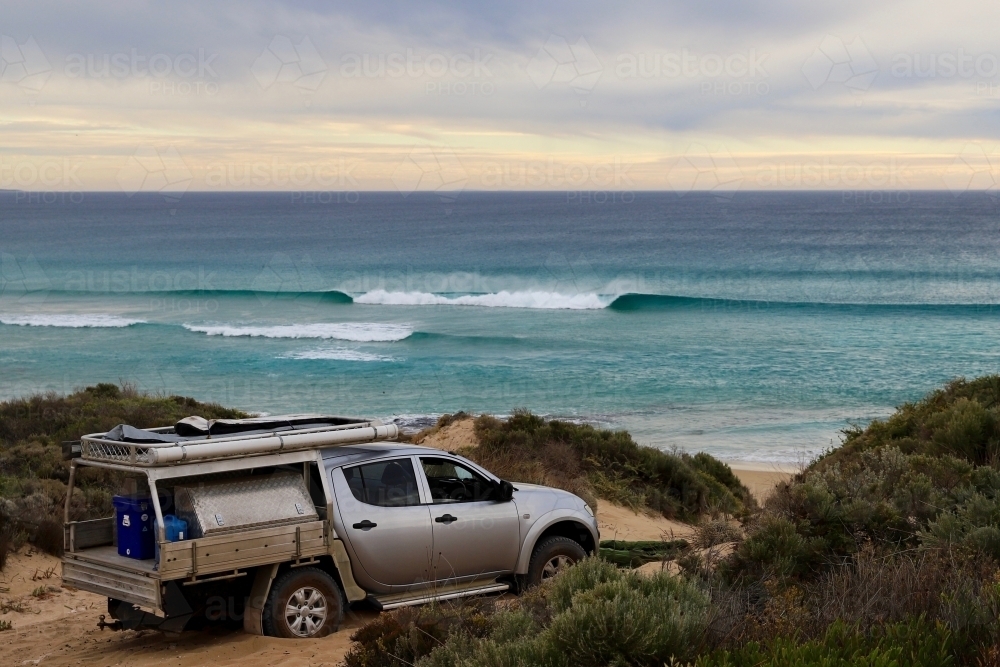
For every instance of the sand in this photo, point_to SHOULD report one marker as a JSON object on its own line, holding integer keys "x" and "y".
{"x": 453, "y": 437}
{"x": 61, "y": 629}
{"x": 761, "y": 479}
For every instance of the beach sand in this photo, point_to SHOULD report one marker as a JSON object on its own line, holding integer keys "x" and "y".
{"x": 761, "y": 478}
{"x": 61, "y": 629}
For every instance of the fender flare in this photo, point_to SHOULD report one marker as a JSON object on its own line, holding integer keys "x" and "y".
{"x": 543, "y": 523}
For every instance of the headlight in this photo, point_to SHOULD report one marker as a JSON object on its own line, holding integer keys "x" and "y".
{"x": 590, "y": 510}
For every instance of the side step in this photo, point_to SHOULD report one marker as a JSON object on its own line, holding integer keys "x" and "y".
{"x": 386, "y": 602}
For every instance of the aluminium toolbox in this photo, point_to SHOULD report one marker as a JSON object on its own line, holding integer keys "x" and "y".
{"x": 231, "y": 505}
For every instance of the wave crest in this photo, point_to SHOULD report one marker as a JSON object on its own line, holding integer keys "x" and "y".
{"x": 81, "y": 321}
{"x": 361, "y": 332}
{"x": 504, "y": 299}
{"x": 335, "y": 354}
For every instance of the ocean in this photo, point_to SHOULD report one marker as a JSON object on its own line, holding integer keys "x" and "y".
{"x": 754, "y": 326}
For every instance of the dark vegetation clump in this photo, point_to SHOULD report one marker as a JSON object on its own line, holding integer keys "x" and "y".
{"x": 33, "y": 475}
{"x": 885, "y": 551}
{"x": 595, "y": 463}
{"x": 594, "y": 614}
{"x": 928, "y": 477}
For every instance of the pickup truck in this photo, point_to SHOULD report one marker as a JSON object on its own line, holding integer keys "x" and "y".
{"x": 292, "y": 519}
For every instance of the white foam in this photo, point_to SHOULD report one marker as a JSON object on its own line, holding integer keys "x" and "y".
{"x": 69, "y": 321}
{"x": 363, "y": 332}
{"x": 504, "y": 299}
{"x": 336, "y": 354}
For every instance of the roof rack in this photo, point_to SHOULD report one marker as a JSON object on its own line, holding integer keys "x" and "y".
{"x": 99, "y": 447}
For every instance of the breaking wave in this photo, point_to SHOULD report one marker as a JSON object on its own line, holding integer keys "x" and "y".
{"x": 81, "y": 321}
{"x": 336, "y": 354}
{"x": 537, "y": 300}
{"x": 361, "y": 332}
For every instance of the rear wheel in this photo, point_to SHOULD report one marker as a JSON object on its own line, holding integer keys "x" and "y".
{"x": 303, "y": 603}
{"x": 552, "y": 556}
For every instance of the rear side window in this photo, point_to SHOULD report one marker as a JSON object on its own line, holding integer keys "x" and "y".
{"x": 386, "y": 483}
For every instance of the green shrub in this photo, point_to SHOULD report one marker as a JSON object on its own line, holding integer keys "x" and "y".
{"x": 593, "y": 462}
{"x": 33, "y": 476}
{"x": 917, "y": 642}
{"x": 592, "y": 614}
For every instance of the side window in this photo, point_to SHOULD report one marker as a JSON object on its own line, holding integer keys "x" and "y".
{"x": 451, "y": 482}
{"x": 386, "y": 483}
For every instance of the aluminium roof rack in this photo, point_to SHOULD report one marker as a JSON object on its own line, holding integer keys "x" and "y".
{"x": 195, "y": 439}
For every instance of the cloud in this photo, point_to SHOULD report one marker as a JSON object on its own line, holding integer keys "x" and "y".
{"x": 491, "y": 82}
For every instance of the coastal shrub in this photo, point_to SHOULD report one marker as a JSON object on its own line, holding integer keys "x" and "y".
{"x": 33, "y": 476}
{"x": 880, "y": 495}
{"x": 403, "y": 636}
{"x": 916, "y": 642}
{"x": 962, "y": 419}
{"x": 975, "y": 525}
{"x": 592, "y": 614}
{"x": 598, "y": 462}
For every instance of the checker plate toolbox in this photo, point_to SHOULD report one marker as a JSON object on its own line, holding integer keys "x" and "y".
{"x": 233, "y": 505}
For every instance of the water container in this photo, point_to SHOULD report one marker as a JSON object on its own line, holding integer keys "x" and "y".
{"x": 134, "y": 527}
{"x": 176, "y": 529}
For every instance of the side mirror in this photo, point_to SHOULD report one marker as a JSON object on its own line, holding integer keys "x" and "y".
{"x": 506, "y": 490}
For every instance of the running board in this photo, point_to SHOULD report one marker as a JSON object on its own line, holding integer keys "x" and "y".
{"x": 387, "y": 602}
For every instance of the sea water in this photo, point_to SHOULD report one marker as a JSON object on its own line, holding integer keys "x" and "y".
{"x": 755, "y": 327}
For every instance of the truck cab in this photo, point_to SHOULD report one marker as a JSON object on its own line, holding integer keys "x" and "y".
{"x": 291, "y": 519}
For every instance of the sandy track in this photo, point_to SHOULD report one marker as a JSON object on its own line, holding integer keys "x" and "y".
{"x": 61, "y": 629}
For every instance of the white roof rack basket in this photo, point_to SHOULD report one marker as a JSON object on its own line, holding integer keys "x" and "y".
{"x": 98, "y": 447}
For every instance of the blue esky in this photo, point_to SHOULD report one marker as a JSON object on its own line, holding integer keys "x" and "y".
{"x": 516, "y": 95}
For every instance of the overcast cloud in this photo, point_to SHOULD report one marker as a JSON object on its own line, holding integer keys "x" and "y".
{"x": 557, "y": 95}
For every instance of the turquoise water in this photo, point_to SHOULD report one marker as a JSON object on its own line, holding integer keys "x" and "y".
{"x": 754, "y": 328}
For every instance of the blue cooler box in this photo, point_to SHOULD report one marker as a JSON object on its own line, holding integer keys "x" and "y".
{"x": 134, "y": 527}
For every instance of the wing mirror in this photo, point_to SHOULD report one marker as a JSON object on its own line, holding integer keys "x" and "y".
{"x": 506, "y": 490}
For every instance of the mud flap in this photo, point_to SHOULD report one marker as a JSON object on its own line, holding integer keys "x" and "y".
{"x": 343, "y": 563}
{"x": 253, "y": 614}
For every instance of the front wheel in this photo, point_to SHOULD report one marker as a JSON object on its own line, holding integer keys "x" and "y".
{"x": 303, "y": 604}
{"x": 552, "y": 556}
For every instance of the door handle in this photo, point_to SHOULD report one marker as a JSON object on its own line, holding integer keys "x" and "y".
{"x": 447, "y": 518}
{"x": 365, "y": 525}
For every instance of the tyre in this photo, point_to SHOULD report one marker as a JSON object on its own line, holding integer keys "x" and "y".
{"x": 550, "y": 557}
{"x": 304, "y": 603}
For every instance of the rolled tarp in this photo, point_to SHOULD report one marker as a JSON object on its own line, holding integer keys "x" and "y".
{"x": 207, "y": 449}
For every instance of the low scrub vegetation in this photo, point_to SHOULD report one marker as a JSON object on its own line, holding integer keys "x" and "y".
{"x": 595, "y": 463}
{"x": 33, "y": 476}
{"x": 594, "y": 614}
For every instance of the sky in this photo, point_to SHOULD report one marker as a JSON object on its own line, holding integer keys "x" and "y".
{"x": 434, "y": 96}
